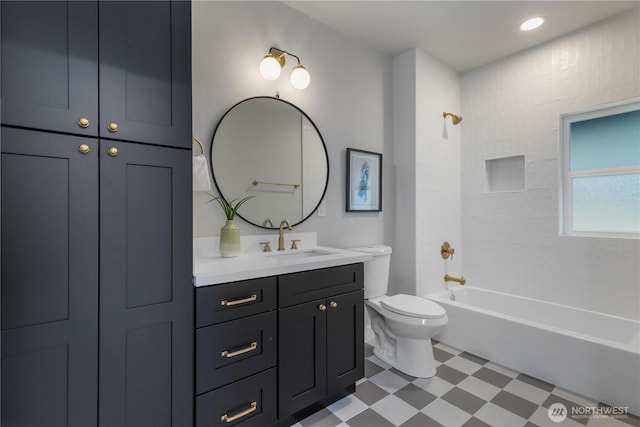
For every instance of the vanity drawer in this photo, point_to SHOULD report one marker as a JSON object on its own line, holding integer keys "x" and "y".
{"x": 247, "y": 403}
{"x": 232, "y": 350}
{"x": 297, "y": 288}
{"x": 221, "y": 303}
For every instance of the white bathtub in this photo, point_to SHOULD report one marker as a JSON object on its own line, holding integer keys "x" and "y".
{"x": 590, "y": 353}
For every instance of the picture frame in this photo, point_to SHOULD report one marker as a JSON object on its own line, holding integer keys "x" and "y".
{"x": 364, "y": 181}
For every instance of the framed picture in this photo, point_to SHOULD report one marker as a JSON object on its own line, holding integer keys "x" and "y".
{"x": 364, "y": 181}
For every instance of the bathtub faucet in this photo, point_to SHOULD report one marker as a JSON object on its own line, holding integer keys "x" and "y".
{"x": 460, "y": 280}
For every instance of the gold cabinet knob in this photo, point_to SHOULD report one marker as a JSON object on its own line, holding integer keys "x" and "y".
{"x": 112, "y": 151}
{"x": 83, "y": 122}
{"x": 333, "y": 304}
{"x": 113, "y": 127}
{"x": 322, "y": 307}
{"x": 83, "y": 148}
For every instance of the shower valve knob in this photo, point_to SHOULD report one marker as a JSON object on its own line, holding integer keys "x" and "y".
{"x": 446, "y": 251}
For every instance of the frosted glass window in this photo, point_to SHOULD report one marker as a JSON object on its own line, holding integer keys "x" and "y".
{"x": 607, "y": 203}
{"x": 505, "y": 174}
{"x": 601, "y": 171}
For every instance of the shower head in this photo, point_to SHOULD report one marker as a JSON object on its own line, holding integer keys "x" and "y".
{"x": 455, "y": 119}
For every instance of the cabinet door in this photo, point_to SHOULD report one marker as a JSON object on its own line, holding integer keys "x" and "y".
{"x": 49, "y": 279}
{"x": 302, "y": 352}
{"x": 146, "y": 295}
{"x": 145, "y": 71}
{"x": 50, "y": 65}
{"x": 345, "y": 340}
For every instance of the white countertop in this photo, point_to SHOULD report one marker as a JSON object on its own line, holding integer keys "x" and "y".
{"x": 210, "y": 268}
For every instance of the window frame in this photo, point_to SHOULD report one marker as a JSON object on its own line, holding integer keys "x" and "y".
{"x": 566, "y": 176}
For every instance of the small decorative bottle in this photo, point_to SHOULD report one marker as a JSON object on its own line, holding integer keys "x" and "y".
{"x": 230, "y": 240}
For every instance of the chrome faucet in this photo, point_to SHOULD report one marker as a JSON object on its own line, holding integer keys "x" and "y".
{"x": 281, "y": 235}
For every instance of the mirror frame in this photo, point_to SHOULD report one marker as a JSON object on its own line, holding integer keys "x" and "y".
{"x": 324, "y": 145}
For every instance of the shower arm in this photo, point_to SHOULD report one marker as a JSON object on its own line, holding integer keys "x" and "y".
{"x": 455, "y": 119}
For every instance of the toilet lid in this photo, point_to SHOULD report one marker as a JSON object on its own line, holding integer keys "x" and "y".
{"x": 414, "y": 306}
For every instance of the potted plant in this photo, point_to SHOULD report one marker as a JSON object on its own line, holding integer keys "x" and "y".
{"x": 230, "y": 232}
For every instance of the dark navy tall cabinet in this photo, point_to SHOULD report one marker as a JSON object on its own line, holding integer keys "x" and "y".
{"x": 96, "y": 214}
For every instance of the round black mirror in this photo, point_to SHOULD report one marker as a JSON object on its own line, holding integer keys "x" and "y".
{"x": 269, "y": 148}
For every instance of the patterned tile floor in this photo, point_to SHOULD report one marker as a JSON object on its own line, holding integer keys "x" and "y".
{"x": 466, "y": 391}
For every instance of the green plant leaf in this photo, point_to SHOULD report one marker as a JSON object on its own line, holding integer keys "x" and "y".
{"x": 240, "y": 203}
{"x": 228, "y": 207}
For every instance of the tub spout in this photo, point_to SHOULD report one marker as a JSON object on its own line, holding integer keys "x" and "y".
{"x": 460, "y": 280}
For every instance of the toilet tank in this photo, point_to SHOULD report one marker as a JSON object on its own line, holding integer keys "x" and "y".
{"x": 376, "y": 270}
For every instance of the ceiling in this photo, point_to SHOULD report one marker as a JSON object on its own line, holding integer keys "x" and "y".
{"x": 461, "y": 34}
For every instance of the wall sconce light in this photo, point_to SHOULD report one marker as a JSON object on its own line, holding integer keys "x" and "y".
{"x": 273, "y": 62}
{"x": 455, "y": 119}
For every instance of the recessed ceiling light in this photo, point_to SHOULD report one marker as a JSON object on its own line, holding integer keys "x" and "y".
{"x": 532, "y": 23}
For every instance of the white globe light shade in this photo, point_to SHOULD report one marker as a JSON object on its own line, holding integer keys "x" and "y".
{"x": 270, "y": 68}
{"x": 300, "y": 77}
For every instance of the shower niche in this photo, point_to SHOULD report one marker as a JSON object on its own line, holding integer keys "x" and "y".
{"x": 504, "y": 174}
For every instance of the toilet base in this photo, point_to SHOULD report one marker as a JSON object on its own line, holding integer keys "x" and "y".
{"x": 413, "y": 357}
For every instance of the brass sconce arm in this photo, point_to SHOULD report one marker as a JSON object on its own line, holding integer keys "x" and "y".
{"x": 279, "y": 55}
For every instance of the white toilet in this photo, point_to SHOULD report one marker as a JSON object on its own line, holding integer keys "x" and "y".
{"x": 403, "y": 324}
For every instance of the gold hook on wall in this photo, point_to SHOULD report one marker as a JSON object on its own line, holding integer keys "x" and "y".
{"x": 199, "y": 143}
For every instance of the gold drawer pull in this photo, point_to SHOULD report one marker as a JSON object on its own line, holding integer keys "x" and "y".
{"x": 226, "y": 303}
{"x": 251, "y": 347}
{"x": 229, "y": 419}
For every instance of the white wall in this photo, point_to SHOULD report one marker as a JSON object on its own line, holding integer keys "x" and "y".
{"x": 428, "y": 173}
{"x": 403, "y": 266}
{"x": 349, "y": 101}
{"x": 511, "y": 107}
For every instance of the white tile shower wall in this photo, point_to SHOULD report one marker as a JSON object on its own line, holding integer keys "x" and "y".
{"x": 432, "y": 185}
{"x": 511, "y": 240}
{"x": 438, "y": 204}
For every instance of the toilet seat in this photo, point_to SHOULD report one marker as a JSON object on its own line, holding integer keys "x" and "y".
{"x": 414, "y": 306}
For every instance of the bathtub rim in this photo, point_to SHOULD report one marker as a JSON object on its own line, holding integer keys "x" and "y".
{"x": 443, "y": 297}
